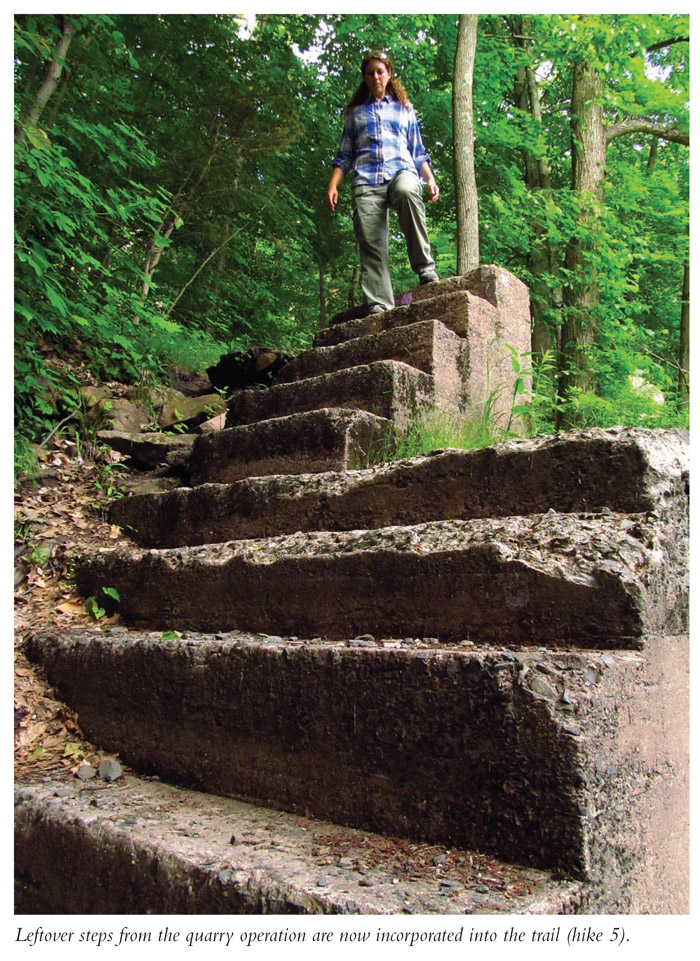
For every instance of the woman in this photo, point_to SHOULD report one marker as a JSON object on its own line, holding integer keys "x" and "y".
{"x": 382, "y": 144}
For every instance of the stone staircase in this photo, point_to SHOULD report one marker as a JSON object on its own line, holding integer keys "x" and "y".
{"x": 336, "y": 667}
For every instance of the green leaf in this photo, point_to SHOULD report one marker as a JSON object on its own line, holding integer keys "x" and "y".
{"x": 167, "y": 324}
{"x": 56, "y": 299}
{"x": 93, "y": 609}
{"x": 37, "y": 137}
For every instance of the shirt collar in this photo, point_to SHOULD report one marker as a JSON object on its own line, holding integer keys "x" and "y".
{"x": 387, "y": 98}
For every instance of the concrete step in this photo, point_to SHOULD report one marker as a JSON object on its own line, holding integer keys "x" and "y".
{"x": 334, "y": 439}
{"x": 591, "y": 580}
{"x": 387, "y": 389}
{"x": 489, "y": 309}
{"x": 428, "y": 346}
{"x": 459, "y": 311}
{"x": 622, "y": 470}
{"x": 491, "y": 285}
{"x": 574, "y": 761}
{"x": 141, "y": 847}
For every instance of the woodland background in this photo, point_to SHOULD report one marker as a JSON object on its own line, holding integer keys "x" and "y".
{"x": 170, "y": 175}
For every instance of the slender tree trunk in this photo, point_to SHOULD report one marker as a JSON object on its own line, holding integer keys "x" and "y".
{"x": 221, "y": 264}
{"x": 52, "y": 76}
{"x": 463, "y": 136}
{"x": 60, "y": 97}
{"x": 322, "y": 295}
{"x": 217, "y": 250}
{"x": 653, "y": 152}
{"x": 155, "y": 251}
{"x": 582, "y": 293}
{"x": 684, "y": 347}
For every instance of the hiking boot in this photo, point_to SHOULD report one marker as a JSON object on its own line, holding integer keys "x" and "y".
{"x": 376, "y": 309}
{"x": 428, "y": 277}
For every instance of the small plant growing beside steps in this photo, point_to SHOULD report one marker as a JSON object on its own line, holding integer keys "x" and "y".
{"x": 94, "y": 608}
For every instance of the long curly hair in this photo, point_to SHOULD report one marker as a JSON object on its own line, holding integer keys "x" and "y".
{"x": 394, "y": 87}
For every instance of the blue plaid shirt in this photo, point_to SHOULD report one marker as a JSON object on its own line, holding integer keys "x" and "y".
{"x": 380, "y": 138}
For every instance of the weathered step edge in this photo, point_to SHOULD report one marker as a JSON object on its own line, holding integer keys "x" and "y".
{"x": 458, "y": 310}
{"x": 482, "y": 281}
{"x": 492, "y": 285}
{"x": 594, "y": 580}
{"x": 577, "y": 760}
{"x": 309, "y": 442}
{"x": 428, "y": 346}
{"x": 386, "y": 388}
{"x": 622, "y": 470}
{"x": 140, "y": 847}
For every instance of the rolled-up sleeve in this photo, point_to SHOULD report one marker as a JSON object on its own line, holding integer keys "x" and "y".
{"x": 345, "y": 157}
{"x": 415, "y": 142}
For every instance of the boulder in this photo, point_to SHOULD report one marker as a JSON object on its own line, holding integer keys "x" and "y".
{"x": 156, "y": 396}
{"x": 189, "y": 382}
{"x": 149, "y": 449}
{"x": 191, "y": 410}
{"x": 121, "y": 415}
{"x": 211, "y": 426}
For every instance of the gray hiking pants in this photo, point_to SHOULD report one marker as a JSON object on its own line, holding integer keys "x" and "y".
{"x": 371, "y": 206}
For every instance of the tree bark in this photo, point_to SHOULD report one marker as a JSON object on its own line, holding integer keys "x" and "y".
{"x": 463, "y": 136}
{"x": 52, "y": 76}
{"x": 581, "y": 292}
{"x": 543, "y": 257}
{"x": 639, "y": 125}
{"x": 684, "y": 346}
{"x": 322, "y": 295}
{"x": 653, "y": 153}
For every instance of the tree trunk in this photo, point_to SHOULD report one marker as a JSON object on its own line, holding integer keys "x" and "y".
{"x": 684, "y": 347}
{"x": 52, "y": 76}
{"x": 322, "y": 295}
{"x": 155, "y": 251}
{"x": 582, "y": 293}
{"x": 463, "y": 136}
{"x": 221, "y": 264}
{"x": 543, "y": 258}
{"x": 653, "y": 153}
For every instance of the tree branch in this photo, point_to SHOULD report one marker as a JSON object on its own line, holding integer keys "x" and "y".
{"x": 214, "y": 252}
{"x": 638, "y": 125}
{"x": 59, "y": 425}
{"x": 661, "y": 44}
{"x": 664, "y": 360}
